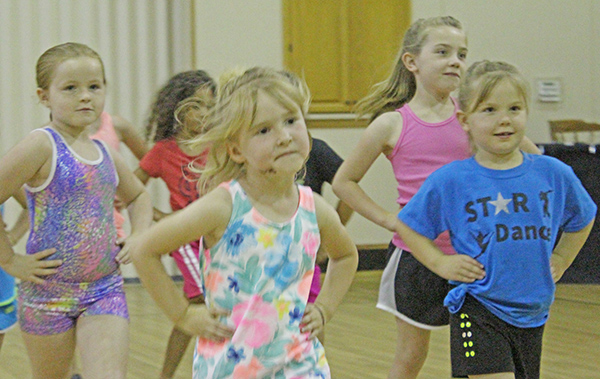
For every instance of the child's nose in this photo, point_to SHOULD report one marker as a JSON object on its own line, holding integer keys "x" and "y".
{"x": 455, "y": 61}
{"x": 86, "y": 94}
{"x": 505, "y": 119}
{"x": 284, "y": 137}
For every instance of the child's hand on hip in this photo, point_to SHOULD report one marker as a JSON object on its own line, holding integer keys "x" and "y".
{"x": 124, "y": 257}
{"x": 203, "y": 322}
{"x": 32, "y": 267}
{"x": 459, "y": 267}
{"x": 313, "y": 321}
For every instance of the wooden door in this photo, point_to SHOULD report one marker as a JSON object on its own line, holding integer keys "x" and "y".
{"x": 342, "y": 47}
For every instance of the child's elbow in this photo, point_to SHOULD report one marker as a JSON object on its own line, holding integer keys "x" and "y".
{"x": 350, "y": 256}
{"x": 337, "y": 185}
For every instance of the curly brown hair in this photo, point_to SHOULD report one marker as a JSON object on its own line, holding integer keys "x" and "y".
{"x": 162, "y": 123}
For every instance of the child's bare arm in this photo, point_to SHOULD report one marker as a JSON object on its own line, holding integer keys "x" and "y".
{"x": 344, "y": 211}
{"x": 27, "y": 162}
{"x": 144, "y": 177}
{"x": 529, "y": 147}
{"x": 137, "y": 200}
{"x": 133, "y": 193}
{"x": 130, "y": 136}
{"x": 459, "y": 267}
{"x": 567, "y": 249}
{"x": 206, "y": 217}
{"x": 378, "y": 138}
{"x": 343, "y": 261}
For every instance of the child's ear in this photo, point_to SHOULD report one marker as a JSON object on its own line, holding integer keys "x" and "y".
{"x": 235, "y": 153}
{"x": 408, "y": 60}
{"x": 463, "y": 119}
{"x": 43, "y": 96}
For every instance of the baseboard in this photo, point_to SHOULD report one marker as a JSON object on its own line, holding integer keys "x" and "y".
{"x": 135, "y": 280}
{"x": 370, "y": 257}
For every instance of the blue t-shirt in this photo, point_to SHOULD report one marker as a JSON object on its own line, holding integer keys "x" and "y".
{"x": 508, "y": 220}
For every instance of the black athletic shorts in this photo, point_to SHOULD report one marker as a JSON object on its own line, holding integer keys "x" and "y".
{"x": 411, "y": 292}
{"x": 481, "y": 343}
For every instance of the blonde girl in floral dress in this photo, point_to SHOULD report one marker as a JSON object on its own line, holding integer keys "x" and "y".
{"x": 261, "y": 232}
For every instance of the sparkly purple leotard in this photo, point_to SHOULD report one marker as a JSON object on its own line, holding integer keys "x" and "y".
{"x": 73, "y": 213}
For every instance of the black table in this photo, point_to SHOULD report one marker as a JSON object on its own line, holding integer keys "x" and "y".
{"x": 586, "y": 164}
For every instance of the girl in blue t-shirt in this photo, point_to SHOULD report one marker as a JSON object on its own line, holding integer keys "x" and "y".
{"x": 504, "y": 209}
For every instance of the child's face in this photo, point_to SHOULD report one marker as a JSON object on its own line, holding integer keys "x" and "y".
{"x": 442, "y": 61}
{"x": 276, "y": 142}
{"x": 76, "y": 93}
{"x": 497, "y": 125}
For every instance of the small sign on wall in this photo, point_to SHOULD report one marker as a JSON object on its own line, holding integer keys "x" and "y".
{"x": 549, "y": 90}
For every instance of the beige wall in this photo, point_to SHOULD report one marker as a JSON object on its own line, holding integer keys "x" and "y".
{"x": 226, "y": 36}
{"x": 545, "y": 39}
{"x": 134, "y": 39}
{"x": 237, "y": 33}
{"x": 549, "y": 39}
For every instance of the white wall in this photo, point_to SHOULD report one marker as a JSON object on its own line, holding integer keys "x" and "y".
{"x": 139, "y": 42}
{"x": 237, "y": 33}
{"x": 545, "y": 39}
{"x": 549, "y": 39}
{"x": 243, "y": 33}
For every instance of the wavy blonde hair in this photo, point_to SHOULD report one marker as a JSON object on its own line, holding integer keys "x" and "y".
{"x": 400, "y": 87}
{"x": 234, "y": 112}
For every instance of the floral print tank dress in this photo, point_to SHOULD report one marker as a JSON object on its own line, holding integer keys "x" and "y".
{"x": 261, "y": 271}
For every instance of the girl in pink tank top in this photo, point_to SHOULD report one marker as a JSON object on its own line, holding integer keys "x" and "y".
{"x": 414, "y": 124}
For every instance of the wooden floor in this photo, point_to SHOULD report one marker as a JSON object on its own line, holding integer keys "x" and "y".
{"x": 360, "y": 339}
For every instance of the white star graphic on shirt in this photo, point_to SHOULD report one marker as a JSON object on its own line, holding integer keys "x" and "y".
{"x": 501, "y": 204}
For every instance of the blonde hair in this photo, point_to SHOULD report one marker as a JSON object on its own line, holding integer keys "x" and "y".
{"x": 234, "y": 112}
{"x": 54, "y": 56}
{"x": 400, "y": 87}
{"x": 482, "y": 77}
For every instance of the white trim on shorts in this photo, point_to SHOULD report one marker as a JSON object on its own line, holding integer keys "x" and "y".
{"x": 191, "y": 263}
{"x": 387, "y": 292}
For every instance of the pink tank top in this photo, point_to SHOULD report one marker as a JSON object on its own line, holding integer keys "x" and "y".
{"x": 421, "y": 149}
{"x": 106, "y": 132}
